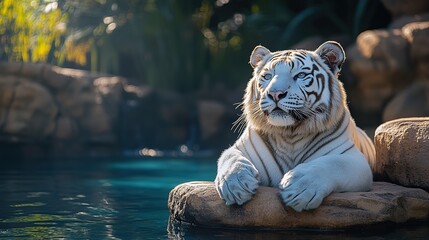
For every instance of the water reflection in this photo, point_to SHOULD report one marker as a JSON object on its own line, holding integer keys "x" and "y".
{"x": 124, "y": 200}
{"x": 96, "y": 200}
{"x": 182, "y": 231}
{"x": 65, "y": 217}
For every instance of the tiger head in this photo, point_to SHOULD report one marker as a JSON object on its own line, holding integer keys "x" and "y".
{"x": 295, "y": 90}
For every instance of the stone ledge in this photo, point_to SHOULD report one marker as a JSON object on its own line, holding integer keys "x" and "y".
{"x": 198, "y": 203}
{"x": 402, "y": 148}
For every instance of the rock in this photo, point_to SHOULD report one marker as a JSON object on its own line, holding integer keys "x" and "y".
{"x": 92, "y": 103}
{"x": 370, "y": 99}
{"x": 379, "y": 59}
{"x": 411, "y": 102}
{"x": 155, "y": 118}
{"x": 174, "y": 111}
{"x": 216, "y": 111}
{"x": 402, "y": 148}
{"x": 65, "y": 129}
{"x": 380, "y": 63}
{"x": 199, "y": 203}
{"x": 401, "y": 7}
{"x": 7, "y": 85}
{"x": 422, "y": 70}
{"x": 29, "y": 110}
{"x": 417, "y": 35}
{"x": 56, "y": 78}
{"x": 404, "y": 20}
{"x": 43, "y": 101}
{"x": 211, "y": 118}
{"x": 387, "y": 50}
{"x": 10, "y": 68}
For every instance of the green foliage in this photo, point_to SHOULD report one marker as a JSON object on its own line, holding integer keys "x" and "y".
{"x": 29, "y": 29}
{"x": 184, "y": 45}
{"x": 156, "y": 41}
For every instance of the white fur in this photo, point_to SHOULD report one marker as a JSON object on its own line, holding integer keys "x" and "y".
{"x": 327, "y": 154}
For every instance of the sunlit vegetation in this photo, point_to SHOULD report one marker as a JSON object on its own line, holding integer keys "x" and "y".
{"x": 30, "y": 30}
{"x": 183, "y": 45}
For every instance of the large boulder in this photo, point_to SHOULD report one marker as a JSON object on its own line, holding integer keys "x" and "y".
{"x": 199, "y": 203}
{"x": 380, "y": 62}
{"x": 43, "y": 101}
{"x": 402, "y": 148}
{"x": 380, "y": 58}
{"x": 27, "y": 109}
{"x": 92, "y": 103}
{"x": 417, "y": 35}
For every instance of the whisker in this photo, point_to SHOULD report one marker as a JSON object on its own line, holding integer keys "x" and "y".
{"x": 238, "y": 105}
{"x": 238, "y": 124}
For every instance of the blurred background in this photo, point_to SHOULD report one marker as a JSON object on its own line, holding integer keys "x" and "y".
{"x": 91, "y": 89}
{"x": 146, "y": 77}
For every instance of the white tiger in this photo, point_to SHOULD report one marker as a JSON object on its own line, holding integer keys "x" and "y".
{"x": 299, "y": 136}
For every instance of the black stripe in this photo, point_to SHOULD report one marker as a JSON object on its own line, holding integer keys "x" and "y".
{"x": 336, "y": 147}
{"x": 329, "y": 133}
{"x": 260, "y": 159}
{"x": 310, "y": 82}
{"x": 244, "y": 187}
{"x": 277, "y": 162}
{"x": 330, "y": 86}
{"x": 293, "y": 142}
{"x": 307, "y": 146}
{"x": 328, "y": 141}
{"x": 283, "y": 155}
{"x": 347, "y": 149}
{"x": 272, "y": 151}
{"x": 292, "y": 65}
{"x": 303, "y": 93}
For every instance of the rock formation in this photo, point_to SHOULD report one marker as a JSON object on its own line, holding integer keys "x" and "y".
{"x": 385, "y": 62}
{"x": 40, "y": 101}
{"x": 72, "y": 111}
{"x": 403, "y": 152}
{"x": 199, "y": 203}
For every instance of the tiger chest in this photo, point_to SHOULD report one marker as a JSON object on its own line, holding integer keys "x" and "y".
{"x": 289, "y": 152}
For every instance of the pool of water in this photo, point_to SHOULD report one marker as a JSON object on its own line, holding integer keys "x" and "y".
{"x": 124, "y": 199}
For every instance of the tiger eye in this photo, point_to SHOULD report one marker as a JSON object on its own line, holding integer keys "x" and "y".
{"x": 267, "y": 76}
{"x": 301, "y": 75}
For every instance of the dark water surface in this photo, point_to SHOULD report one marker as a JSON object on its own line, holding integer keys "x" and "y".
{"x": 125, "y": 199}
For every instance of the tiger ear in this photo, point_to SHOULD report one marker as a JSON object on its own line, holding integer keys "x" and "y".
{"x": 333, "y": 55}
{"x": 257, "y": 55}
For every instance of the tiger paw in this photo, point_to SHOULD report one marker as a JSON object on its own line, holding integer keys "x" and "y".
{"x": 302, "y": 189}
{"x": 238, "y": 185}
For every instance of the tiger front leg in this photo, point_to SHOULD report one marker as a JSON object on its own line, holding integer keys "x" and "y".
{"x": 237, "y": 178}
{"x": 305, "y": 186}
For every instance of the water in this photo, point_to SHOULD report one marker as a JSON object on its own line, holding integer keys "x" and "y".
{"x": 125, "y": 199}
{"x": 92, "y": 199}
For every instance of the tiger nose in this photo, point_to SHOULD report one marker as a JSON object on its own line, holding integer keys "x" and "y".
{"x": 276, "y": 96}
